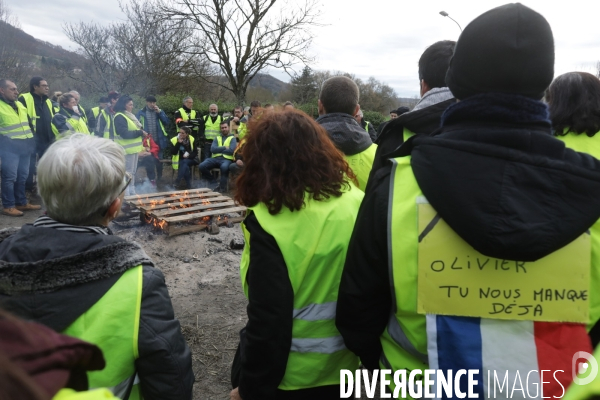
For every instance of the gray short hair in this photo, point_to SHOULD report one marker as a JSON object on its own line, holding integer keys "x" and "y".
{"x": 186, "y": 99}
{"x": 79, "y": 176}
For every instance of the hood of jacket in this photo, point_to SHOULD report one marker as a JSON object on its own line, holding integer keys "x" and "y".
{"x": 497, "y": 176}
{"x": 53, "y": 276}
{"x": 347, "y": 135}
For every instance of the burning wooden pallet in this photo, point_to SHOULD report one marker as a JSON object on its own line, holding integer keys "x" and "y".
{"x": 186, "y": 210}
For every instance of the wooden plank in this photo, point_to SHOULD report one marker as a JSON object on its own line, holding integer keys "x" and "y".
{"x": 173, "y": 231}
{"x": 187, "y": 210}
{"x": 164, "y": 206}
{"x": 204, "y": 214}
{"x": 136, "y": 196}
{"x": 140, "y": 203}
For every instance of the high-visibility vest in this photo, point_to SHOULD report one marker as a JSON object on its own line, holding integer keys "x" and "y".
{"x": 361, "y": 165}
{"x": 404, "y": 341}
{"x": 113, "y": 325}
{"x": 94, "y": 394}
{"x": 242, "y": 130}
{"x": 367, "y": 126}
{"x": 14, "y": 124}
{"x": 212, "y": 129}
{"x": 30, "y": 105}
{"x": 75, "y": 124}
{"x": 95, "y": 111}
{"x": 131, "y": 146}
{"x": 227, "y": 143}
{"x": 314, "y": 253}
{"x": 185, "y": 116}
{"x": 175, "y": 158}
{"x": 82, "y": 113}
{"x": 582, "y": 143}
{"x": 108, "y": 124}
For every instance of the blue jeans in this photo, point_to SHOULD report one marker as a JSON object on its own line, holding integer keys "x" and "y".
{"x": 185, "y": 169}
{"x": 15, "y": 168}
{"x": 219, "y": 162}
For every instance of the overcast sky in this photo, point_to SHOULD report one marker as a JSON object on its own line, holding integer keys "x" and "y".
{"x": 377, "y": 38}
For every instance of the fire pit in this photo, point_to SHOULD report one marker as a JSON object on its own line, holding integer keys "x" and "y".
{"x": 186, "y": 211}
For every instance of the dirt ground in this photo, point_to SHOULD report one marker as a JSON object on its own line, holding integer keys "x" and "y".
{"x": 202, "y": 275}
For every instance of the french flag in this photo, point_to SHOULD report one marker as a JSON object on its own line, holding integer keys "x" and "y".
{"x": 514, "y": 348}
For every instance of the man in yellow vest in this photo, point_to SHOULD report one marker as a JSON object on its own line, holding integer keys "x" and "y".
{"x": 16, "y": 146}
{"x": 338, "y": 104}
{"x": 102, "y": 289}
{"x": 187, "y": 116}
{"x": 40, "y": 110}
{"x": 440, "y": 222}
{"x": 425, "y": 117}
{"x": 80, "y": 108}
{"x": 222, "y": 150}
{"x": 94, "y": 112}
{"x": 212, "y": 122}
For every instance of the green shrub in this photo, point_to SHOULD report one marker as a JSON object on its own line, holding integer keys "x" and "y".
{"x": 374, "y": 117}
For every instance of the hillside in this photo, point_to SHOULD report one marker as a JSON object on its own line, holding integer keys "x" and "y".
{"x": 39, "y": 48}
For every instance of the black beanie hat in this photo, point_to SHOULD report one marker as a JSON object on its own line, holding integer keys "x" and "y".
{"x": 509, "y": 49}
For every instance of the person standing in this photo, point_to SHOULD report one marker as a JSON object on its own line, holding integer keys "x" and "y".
{"x": 338, "y": 104}
{"x": 16, "y": 146}
{"x": 94, "y": 112}
{"x": 184, "y": 156}
{"x": 68, "y": 120}
{"x": 105, "y": 126}
{"x": 222, "y": 150}
{"x": 491, "y": 185}
{"x": 40, "y": 111}
{"x": 297, "y": 231}
{"x": 187, "y": 116}
{"x": 80, "y": 108}
{"x": 128, "y": 133}
{"x": 154, "y": 121}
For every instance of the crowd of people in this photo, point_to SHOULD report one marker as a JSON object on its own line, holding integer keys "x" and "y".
{"x": 497, "y": 162}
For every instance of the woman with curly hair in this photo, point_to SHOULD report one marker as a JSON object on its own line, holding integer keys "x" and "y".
{"x": 302, "y": 205}
{"x": 574, "y": 102}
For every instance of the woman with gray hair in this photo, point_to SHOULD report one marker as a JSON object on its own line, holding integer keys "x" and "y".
{"x": 68, "y": 120}
{"x": 70, "y": 273}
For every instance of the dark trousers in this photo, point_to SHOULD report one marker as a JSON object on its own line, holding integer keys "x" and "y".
{"x": 15, "y": 168}
{"x": 152, "y": 165}
{"x": 185, "y": 170}
{"x": 220, "y": 162}
{"x": 206, "y": 153}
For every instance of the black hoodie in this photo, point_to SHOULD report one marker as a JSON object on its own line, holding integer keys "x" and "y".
{"x": 497, "y": 176}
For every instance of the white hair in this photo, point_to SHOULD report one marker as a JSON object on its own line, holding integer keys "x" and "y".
{"x": 79, "y": 176}
{"x": 213, "y": 104}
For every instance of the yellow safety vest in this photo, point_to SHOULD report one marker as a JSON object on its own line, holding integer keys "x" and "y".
{"x": 175, "y": 158}
{"x": 113, "y": 325}
{"x": 82, "y": 113}
{"x": 75, "y": 124}
{"x": 227, "y": 143}
{"x": 582, "y": 143}
{"x": 313, "y": 242}
{"x": 242, "y": 130}
{"x": 96, "y": 111}
{"x": 185, "y": 116}
{"x": 212, "y": 129}
{"x": 404, "y": 341}
{"x": 108, "y": 119}
{"x": 14, "y": 124}
{"x": 361, "y": 165}
{"x": 30, "y": 105}
{"x": 131, "y": 146}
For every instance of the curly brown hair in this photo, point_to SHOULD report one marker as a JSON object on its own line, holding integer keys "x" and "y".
{"x": 287, "y": 154}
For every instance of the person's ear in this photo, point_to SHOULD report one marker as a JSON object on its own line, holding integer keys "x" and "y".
{"x": 114, "y": 208}
{"x": 357, "y": 109}
{"x": 424, "y": 87}
{"x": 320, "y": 107}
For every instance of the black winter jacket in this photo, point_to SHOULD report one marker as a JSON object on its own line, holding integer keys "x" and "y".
{"x": 42, "y": 133}
{"x": 53, "y": 277}
{"x": 122, "y": 128}
{"x": 496, "y": 175}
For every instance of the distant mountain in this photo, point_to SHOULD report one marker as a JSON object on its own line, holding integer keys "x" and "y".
{"x": 269, "y": 82}
{"x": 39, "y": 48}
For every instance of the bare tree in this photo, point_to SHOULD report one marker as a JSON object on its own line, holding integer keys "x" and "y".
{"x": 12, "y": 60}
{"x": 145, "y": 54}
{"x": 241, "y": 38}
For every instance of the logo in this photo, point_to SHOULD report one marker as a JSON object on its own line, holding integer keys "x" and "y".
{"x": 584, "y": 368}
